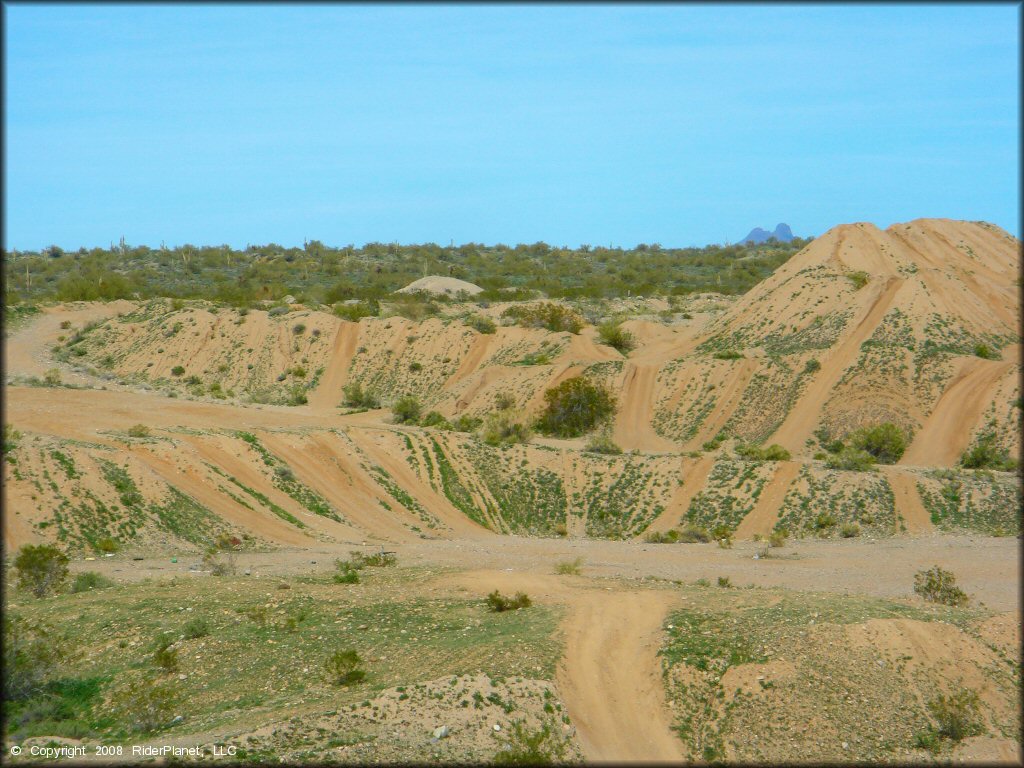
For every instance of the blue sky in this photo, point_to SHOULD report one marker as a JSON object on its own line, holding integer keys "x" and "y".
{"x": 608, "y": 124}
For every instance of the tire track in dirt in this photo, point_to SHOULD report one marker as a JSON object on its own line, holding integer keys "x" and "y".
{"x": 610, "y": 676}
{"x": 948, "y": 430}
{"x": 328, "y": 393}
{"x": 801, "y": 420}
{"x": 908, "y": 501}
{"x": 765, "y": 514}
{"x": 636, "y": 404}
{"x": 695, "y": 475}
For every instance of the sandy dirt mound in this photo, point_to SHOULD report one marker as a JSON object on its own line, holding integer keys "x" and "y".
{"x": 449, "y": 286}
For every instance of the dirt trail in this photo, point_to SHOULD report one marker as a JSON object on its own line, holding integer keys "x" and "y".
{"x": 765, "y": 514}
{"x": 636, "y": 403}
{"x": 801, "y": 421}
{"x": 328, "y": 394}
{"x": 619, "y": 709}
{"x": 908, "y": 501}
{"x": 947, "y": 432}
{"x": 695, "y": 475}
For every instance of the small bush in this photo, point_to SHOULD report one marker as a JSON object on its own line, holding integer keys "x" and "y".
{"x": 218, "y": 562}
{"x": 504, "y": 401}
{"x": 435, "y": 419}
{"x": 107, "y": 545}
{"x": 196, "y": 628}
{"x": 773, "y": 452}
{"x": 694, "y": 534}
{"x": 138, "y": 430}
{"x": 615, "y": 336}
{"x": 858, "y": 278}
{"x": 602, "y": 443}
{"x": 357, "y": 397}
{"x": 986, "y": 454}
{"x": 728, "y": 354}
{"x": 415, "y": 367}
{"x": 777, "y": 539}
{"x": 376, "y": 560}
{"x": 481, "y": 324}
{"x": 41, "y": 569}
{"x": 525, "y": 747}
{"x": 724, "y": 582}
{"x": 90, "y": 580}
{"x": 343, "y": 667}
{"x": 65, "y": 324}
{"x": 145, "y": 706}
{"x": 345, "y": 572}
{"x": 33, "y": 652}
{"x": 985, "y": 352}
{"x": 498, "y": 603}
{"x": 299, "y": 329}
{"x": 52, "y": 377}
{"x": 277, "y": 311}
{"x": 466, "y": 423}
{"x": 575, "y": 407}
{"x": 569, "y": 567}
{"x": 406, "y": 410}
{"x": 849, "y": 530}
{"x": 723, "y": 535}
{"x": 554, "y": 317}
{"x": 824, "y": 521}
{"x": 177, "y": 370}
{"x": 812, "y": 366}
{"x": 503, "y": 429}
{"x": 851, "y": 459}
{"x": 886, "y": 442}
{"x": 956, "y": 716}
{"x": 164, "y": 656}
{"x": 939, "y": 586}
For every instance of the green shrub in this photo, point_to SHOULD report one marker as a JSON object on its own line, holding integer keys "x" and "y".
{"x": 956, "y": 716}
{"x": 177, "y": 370}
{"x": 724, "y": 582}
{"x": 986, "y": 454}
{"x": 343, "y": 667}
{"x": 614, "y": 335}
{"x": 777, "y": 539}
{"x": 723, "y": 535}
{"x": 138, "y": 430}
{"x": 52, "y": 377}
{"x": 504, "y": 401}
{"x": 728, "y": 354}
{"x": 466, "y": 423}
{"x": 415, "y": 367}
{"x": 353, "y": 312}
{"x": 107, "y": 545}
{"x": 33, "y": 652}
{"x": 858, "y": 278}
{"x": 196, "y": 628}
{"x": 481, "y": 324}
{"x": 694, "y": 534}
{"x": 569, "y": 567}
{"x": 851, "y": 459}
{"x": 164, "y": 656}
{"x": 499, "y": 603}
{"x": 218, "y": 562}
{"x": 773, "y": 452}
{"x": 575, "y": 407}
{"x": 406, "y": 410}
{"x": 985, "y": 352}
{"x": 503, "y": 429}
{"x": 299, "y": 329}
{"x": 886, "y": 442}
{"x": 824, "y": 521}
{"x": 602, "y": 443}
{"x": 11, "y": 438}
{"x": 41, "y": 568}
{"x": 554, "y": 317}
{"x": 89, "y": 580}
{"x": 357, "y": 397}
{"x": 345, "y": 572}
{"x": 380, "y": 559}
{"x": 939, "y": 586}
{"x": 435, "y": 419}
{"x": 525, "y": 747}
{"x": 145, "y": 705}
{"x": 849, "y": 530}
{"x": 812, "y": 366}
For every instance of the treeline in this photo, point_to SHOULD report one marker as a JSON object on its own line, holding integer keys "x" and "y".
{"x": 317, "y": 273}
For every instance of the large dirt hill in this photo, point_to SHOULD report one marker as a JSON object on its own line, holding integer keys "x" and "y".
{"x": 917, "y": 324}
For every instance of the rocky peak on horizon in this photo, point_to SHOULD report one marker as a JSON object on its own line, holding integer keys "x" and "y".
{"x": 757, "y": 235}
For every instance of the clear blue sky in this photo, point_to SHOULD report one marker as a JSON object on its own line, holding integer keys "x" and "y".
{"x": 679, "y": 124}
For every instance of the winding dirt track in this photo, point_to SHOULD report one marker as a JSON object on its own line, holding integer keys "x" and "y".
{"x": 328, "y": 392}
{"x": 633, "y": 422}
{"x": 610, "y": 676}
{"x": 908, "y": 501}
{"x": 765, "y": 514}
{"x": 948, "y": 431}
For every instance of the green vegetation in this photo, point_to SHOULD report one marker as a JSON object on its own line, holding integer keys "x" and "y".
{"x": 138, "y": 430}
{"x": 502, "y": 428}
{"x": 406, "y": 410}
{"x": 343, "y": 667}
{"x": 987, "y": 454}
{"x": 602, "y": 443}
{"x": 357, "y": 397}
{"x": 574, "y": 407}
{"x": 481, "y": 324}
{"x": 569, "y": 567}
{"x": 858, "y": 278}
{"x": 614, "y": 335}
{"x": 553, "y": 317}
{"x": 499, "y": 603}
{"x": 83, "y": 582}
{"x": 886, "y": 442}
{"x": 729, "y": 354}
{"x": 851, "y": 459}
{"x": 688, "y": 534}
{"x": 525, "y": 747}
{"x": 939, "y": 586}
{"x": 773, "y": 452}
{"x": 985, "y": 352}
{"x": 957, "y": 715}
{"x": 41, "y": 569}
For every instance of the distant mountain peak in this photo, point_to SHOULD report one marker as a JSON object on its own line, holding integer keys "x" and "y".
{"x": 757, "y": 235}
